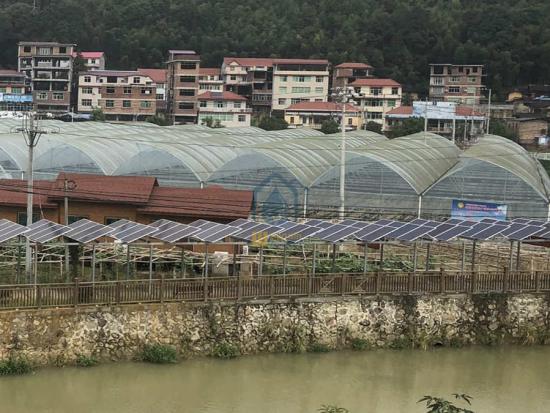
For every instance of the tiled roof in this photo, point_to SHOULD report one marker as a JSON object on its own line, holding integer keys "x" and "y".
{"x": 322, "y": 107}
{"x": 213, "y": 95}
{"x": 375, "y": 82}
{"x": 301, "y": 61}
{"x": 353, "y": 65}
{"x": 249, "y": 61}
{"x": 111, "y": 73}
{"x": 401, "y": 110}
{"x": 13, "y": 192}
{"x": 11, "y": 72}
{"x": 105, "y": 189}
{"x": 158, "y": 75}
{"x": 210, "y": 202}
{"x": 89, "y": 55}
{"x": 210, "y": 71}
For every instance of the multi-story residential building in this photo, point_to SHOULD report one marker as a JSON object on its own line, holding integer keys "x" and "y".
{"x": 313, "y": 114}
{"x": 456, "y": 83}
{"x": 121, "y": 95}
{"x": 376, "y": 97}
{"x": 210, "y": 78}
{"x": 92, "y": 60}
{"x": 49, "y": 66}
{"x": 228, "y": 108}
{"x": 14, "y": 92}
{"x": 183, "y": 85}
{"x": 299, "y": 80}
{"x": 349, "y": 72}
{"x": 250, "y": 77}
{"x": 159, "y": 79}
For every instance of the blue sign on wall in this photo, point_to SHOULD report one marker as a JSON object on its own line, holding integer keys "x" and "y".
{"x": 14, "y": 98}
{"x": 478, "y": 210}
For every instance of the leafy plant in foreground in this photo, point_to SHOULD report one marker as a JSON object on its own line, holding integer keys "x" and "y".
{"x": 440, "y": 405}
{"x": 159, "y": 354}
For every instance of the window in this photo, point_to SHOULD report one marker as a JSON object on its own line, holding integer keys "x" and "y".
{"x": 350, "y": 121}
{"x": 376, "y": 90}
{"x": 394, "y": 90}
{"x": 282, "y": 101}
{"x": 186, "y": 105}
{"x": 109, "y": 103}
{"x": 282, "y": 89}
{"x": 237, "y": 105}
{"x": 86, "y": 102}
{"x": 112, "y": 79}
{"x": 474, "y": 69}
{"x": 42, "y": 96}
{"x": 58, "y": 96}
{"x": 233, "y": 77}
{"x": 16, "y": 90}
{"x": 62, "y": 50}
{"x": 87, "y": 90}
{"x": 390, "y": 103}
{"x": 112, "y": 220}
{"x": 374, "y": 103}
{"x": 298, "y": 89}
{"x": 302, "y": 78}
{"x": 158, "y": 96}
{"x": 187, "y": 92}
{"x": 473, "y": 79}
{"x": 145, "y": 91}
{"x": 220, "y": 104}
{"x": 454, "y": 89}
{"x": 22, "y": 218}
{"x": 145, "y": 104}
{"x": 461, "y": 69}
{"x": 110, "y": 90}
{"x": 242, "y": 118}
{"x": 374, "y": 115}
{"x": 319, "y": 79}
{"x": 296, "y": 100}
{"x": 284, "y": 78}
{"x": 188, "y": 65}
{"x": 136, "y": 79}
{"x": 222, "y": 117}
{"x": 203, "y": 104}
{"x": 74, "y": 218}
{"x": 454, "y": 79}
{"x": 45, "y": 50}
{"x": 87, "y": 79}
{"x": 292, "y": 119}
{"x": 232, "y": 68}
{"x": 187, "y": 79}
{"x": 126, "y": 103}
{"x": 437, "y": 81}
{"x": 3, "y": 90}
{"x": 319, "y": 90}
{"x": 127, "y": 90}
{"x": 27, "y": 49}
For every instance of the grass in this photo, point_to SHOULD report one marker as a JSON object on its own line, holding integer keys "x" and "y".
{"x": 159, "y": 354}
{"x": 86, "y": 361}
{"x": 359, "y": 344}
{"x": 15, "y": 366}
{"x": 318, "y": 348}
{"x": 225, "y": 351}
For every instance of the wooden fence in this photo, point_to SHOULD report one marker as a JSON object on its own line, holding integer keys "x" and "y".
{"x": 266, "y": 287}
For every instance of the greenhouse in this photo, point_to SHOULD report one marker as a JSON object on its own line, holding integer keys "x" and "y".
{"x": 294, "y": 172}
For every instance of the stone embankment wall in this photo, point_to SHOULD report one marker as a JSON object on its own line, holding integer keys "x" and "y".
{"x": 59, "y": 336}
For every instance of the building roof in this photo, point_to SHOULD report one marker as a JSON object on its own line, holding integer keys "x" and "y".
{"x": 189, "y": 52}
{"x": 11, "y": 72}
{"x": 401, "y": 110}
{"x": 300, "y": 61}
{"x": 454, "y": 64}
{"x": 375, "y": 82}
{"x": 321, "y": 107}
{"x": 213, "y": 95}
{"x": 209, "y": 202}
{"x": 13, "y": 192}
{"x": 158, "y": 75}
{"x": 89, "y": 55}
{"x": 100, "y": 188}
{"x": 249, "y": 61}
{"x": 111, "y": 73}
{"x": 210, "y": 71}
{"x": 353, "y": 65}
{"x": 46, "y": 44}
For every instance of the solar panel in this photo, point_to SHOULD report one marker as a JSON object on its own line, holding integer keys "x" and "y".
{"x": 451, "y": 233}
{"x": 415, "y": 233}
{"x": 367, "y": 230}
{"x": 44, "y": 231}
{"x": 490, "y": 232}
{"x": 9, "y": 230}
{"x": 361, "y": 224}
{"x": 475, "y": 229}
{"x": 461, "y": 222}
{"x": 431, "y": 224}
{"x": 314, "y": 222}
{"x": 130, "y": 231}
{"x": 348, "y": 222}
{"x": 377, "y": 234}
{"x": 384, "y": 222}
{"x": 324, "y": 224}
{"x": 307, "y": 232}
{"x": 238, "y": 222}
{"x": 397, "y": 232}
{"x": 537, "y": 222}
{"x": 342, "y": 234}
{"x": 285, "y": 224}
{"x": 295, "y": 231}
{"x": 224, "y": 232}
{"x": 440, "y": 229}
{"x": 419, "y": 221}
{"x": 526, "y": 232}
{"x": 201, "y": 223}
{"x": 513, "y": 227}
{"x": 521, "y": 220}
{"x": 545, "y": 234}
{"x": 209, "y": 230}
{"x": 328, "y": 231}
{"x": 161, "y": 223}
{"x": 248, "y": 225}
{"x": 174, "y": 232}
{"x": 84, "y": 231}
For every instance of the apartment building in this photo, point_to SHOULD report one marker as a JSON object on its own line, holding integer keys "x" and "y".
{"x": 92, "y": 60}
{"x": 299, "y": 80}
{"x": 376, "y": 97}
{"x": 461, "y": 84}
{"x": 121, "y": 95}
{"x": 210, "y": 78}
{"x": 183, "y": 85}
{"x": 159, "y": 79}
{"x": 49, "y": 66}
{"x": 228, "y": 108}
{"x": 313, "y": 114}
{"x": 250, "y": 77}
{"x": 15, "y": 94}
{"x": 348, "y": 72}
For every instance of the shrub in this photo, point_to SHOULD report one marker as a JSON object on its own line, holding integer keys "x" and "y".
{"x": 359, "y": 344}
{"x": 159, "y": 354}
{"x": 86, "y": 361}
{"x": 225, "y": 351}
{"x": 318, "y": 348}
{"x": 13, "y": 366}
{"x": 332, "y": 409}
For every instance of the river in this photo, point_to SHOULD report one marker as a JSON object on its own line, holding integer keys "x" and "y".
{"x": 503, "y": 380}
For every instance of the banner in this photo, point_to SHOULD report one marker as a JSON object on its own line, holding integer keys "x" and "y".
{"x": 478, "y": 210}
{"x": 14, "y": 98}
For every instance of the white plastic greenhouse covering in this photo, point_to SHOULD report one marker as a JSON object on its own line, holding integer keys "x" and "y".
{"x": 294, "y": 171}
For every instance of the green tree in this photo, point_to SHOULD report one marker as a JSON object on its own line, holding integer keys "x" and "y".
{"x": 407, "y": 127}
{"x": 498, "y": 127}
{"x": 266, "y": 122}
{"x": 159, "y": 119}
{"x": 98, "y": 115}
{"x": 373, "y": 127}
{"x": 211, "y": 122}
{"x": 330, "y": 126}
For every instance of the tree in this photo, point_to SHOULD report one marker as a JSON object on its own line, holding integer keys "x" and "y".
{"x": 98, "y": 115}
{"x": 330, "y": 126}
{"x": 498, "y": 127}
{"x": 373, "y": 127}
{"x": 159, "y": 119}
{"x": 267, "y": 122}
{"x": 439, "y": 405}
{"x": 407, "y": 127}
{"x": 211, "y": 122}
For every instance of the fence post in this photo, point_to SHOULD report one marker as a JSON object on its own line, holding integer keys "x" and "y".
{"x": 75, "y": 291}
{"x": 205, "y": 288}
{"x": 473, "y": 282}
{"x": 161, "y": 288}
{"x": 410, "y": 282}
{"x": 271, "y": 286}
{"x": 239, "y": 288}
{"x": 378, "y": 279}
{"x": 506, "y": 280}
{"x": 309, "y": 284}
{"x": 117, "y": 292}
{"x": 442, "y": 280}
{"x": 537, "y": 281}
{"x": 343, "y": 284}
{"x": 38, "y": 295}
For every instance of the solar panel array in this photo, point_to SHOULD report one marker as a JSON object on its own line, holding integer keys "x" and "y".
{"x": 43, "y": 231}
{"x": 84, "y": 231}
{"x": 128, "y": 231}
{"x": 9, "y": 230}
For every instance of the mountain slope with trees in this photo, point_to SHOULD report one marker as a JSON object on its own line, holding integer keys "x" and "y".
{"x": 398, "y": 37}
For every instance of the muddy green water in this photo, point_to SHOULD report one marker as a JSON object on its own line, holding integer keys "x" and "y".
{"x": 503, "y": 380}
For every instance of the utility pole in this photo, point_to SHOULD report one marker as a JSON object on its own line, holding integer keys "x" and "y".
{"x": 68, "y": 185}
{"x": 489, "y": 111}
